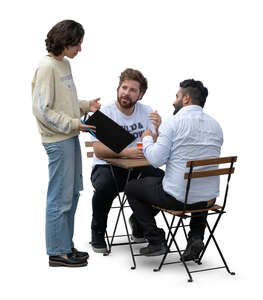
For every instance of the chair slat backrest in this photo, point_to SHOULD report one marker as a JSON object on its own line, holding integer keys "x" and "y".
{"x": 89, "y": 145}
{"x": 208, "y": 173}
{"x": 213, "y": 162}
{"x": 210, "y": 161}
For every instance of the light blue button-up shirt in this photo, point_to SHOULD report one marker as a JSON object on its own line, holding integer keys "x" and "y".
{"x": 190, "y": 134}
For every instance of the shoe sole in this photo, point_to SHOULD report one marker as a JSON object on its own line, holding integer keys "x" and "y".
{"x": 61, "y": 264}
{"x": 82, "y": 257}
{"x": 156, "y": 253}
{"x": 100, "y": 250}
{"x": 138, "y": 240}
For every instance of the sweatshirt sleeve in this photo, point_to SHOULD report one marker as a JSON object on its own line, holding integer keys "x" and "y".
{"x": 43, "y": 88}
{"x": 84, "y": 106}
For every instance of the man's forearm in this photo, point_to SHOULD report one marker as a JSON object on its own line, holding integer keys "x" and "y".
{"x": 157, "y": 153}
{"x": 103, "y": 151}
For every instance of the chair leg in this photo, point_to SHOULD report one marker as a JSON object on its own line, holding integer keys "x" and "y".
{"x": 129, "y": 239}
{"x": 177, "y": 247}
{"x": 121, "y": 211}
{"x": 185, "y": 234}
{"x": 168, "y": 226}
{"x": 108, "y": 243}
{"x": 116, "y": 223}
{"x": 218, "y": 248}
{"x": 168, "y": 243}
{"x": 209, "y": 237}
{"x": 181, "y": 258}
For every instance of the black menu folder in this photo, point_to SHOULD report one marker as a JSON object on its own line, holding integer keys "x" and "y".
{"x": 109, "y": 132}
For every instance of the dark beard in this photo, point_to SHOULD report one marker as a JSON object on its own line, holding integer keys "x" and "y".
{"x": 128, "y": 105}
{"x": 177, "y": 107}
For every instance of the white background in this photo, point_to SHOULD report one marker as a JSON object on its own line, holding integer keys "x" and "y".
{"x": 218, "y": 42}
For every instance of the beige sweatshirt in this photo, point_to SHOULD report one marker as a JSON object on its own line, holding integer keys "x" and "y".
{"x": 55, "y": 103}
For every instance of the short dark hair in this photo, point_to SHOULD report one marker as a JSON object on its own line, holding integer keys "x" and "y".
{"x": 197, "y": 91}
{"x": 131, "y": 74}
{"x": 63, "y": 34}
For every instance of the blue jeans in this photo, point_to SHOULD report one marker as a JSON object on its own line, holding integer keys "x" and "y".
{"x": 65, "y": 182}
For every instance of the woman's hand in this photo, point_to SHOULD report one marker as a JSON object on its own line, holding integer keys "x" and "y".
{"x": 94, "y": 105}
{"x": 85, "y": 128}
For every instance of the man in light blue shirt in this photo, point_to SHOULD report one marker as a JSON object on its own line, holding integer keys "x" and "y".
{"x": 188, "y": 134}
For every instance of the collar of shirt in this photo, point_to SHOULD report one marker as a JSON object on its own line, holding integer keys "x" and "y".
{"x": 191, "y": 107}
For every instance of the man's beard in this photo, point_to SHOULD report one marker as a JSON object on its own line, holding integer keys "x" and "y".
{"x": 129, "y": 103}
{"x": 178, "y": 106}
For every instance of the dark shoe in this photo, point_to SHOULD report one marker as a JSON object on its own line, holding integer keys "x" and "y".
{"x": 70, "y": 261}
{"x": 137, "y": 234}
{"x": 193, "y": 249}
{"x": 154, "y": 250}
{"x": 79, "y": 254}
{"x": 98, "y": 242}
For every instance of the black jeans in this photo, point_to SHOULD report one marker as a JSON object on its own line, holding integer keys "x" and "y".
{"x": 144, "y": 193}
{"x": 105, "y": 190}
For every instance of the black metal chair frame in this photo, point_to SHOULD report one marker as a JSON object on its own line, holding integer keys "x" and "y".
{"x": 122, "y": 202}
{"x": 185, "y": 214}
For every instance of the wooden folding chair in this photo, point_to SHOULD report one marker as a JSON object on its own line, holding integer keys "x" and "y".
{"x": 120, "y": 207}
{"x": 215, "y": 209}
{"x": 89, "y": 145}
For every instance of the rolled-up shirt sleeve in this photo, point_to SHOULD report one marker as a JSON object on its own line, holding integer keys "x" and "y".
{"x": 158, "y": 153}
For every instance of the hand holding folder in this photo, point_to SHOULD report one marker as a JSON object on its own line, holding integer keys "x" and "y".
{"x": 109, "y": 132}
{"x": 87, "y": 128}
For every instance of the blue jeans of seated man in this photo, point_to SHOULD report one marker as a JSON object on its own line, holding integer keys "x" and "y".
{"x": 65, "y": 182}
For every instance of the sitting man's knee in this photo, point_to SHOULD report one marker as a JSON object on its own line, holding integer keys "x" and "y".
{"x": 131, "y": 186}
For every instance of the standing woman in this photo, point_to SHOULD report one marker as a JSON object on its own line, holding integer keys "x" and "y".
{"x": 58, "y": 111}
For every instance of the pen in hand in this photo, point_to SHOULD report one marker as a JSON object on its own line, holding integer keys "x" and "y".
{"x": 91, "y": 129}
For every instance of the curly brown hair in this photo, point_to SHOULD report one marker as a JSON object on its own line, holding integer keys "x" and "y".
{"x": 63, "y": 34}
{"x": 131, "y": 74}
